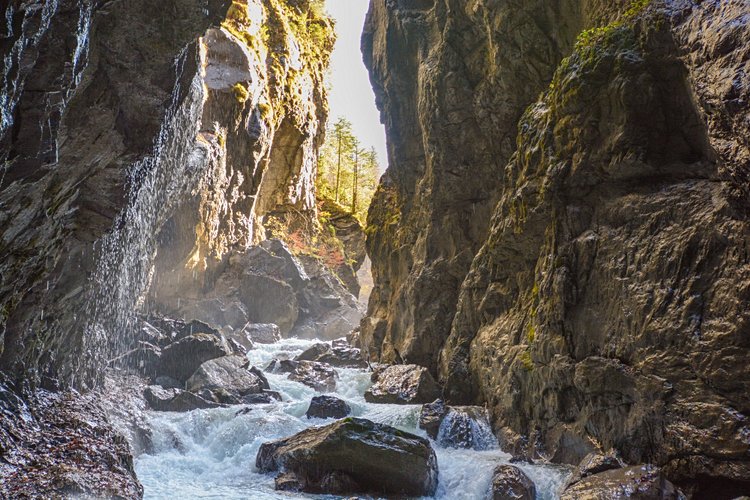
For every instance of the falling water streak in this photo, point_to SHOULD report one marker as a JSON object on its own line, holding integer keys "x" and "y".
{"x": 459, "y": 422}
{"x": 10, "y": 92}
{"x": 82, "y": 41}
{"x": 125, "y": 256}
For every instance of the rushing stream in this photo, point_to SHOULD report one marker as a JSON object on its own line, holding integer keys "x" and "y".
{"x": 211, "y": 453}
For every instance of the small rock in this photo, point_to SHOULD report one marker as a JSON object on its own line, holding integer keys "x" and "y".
{"x": 377, "y": 458}
{"x": 175, "y": 400}
{"x": 328, "y": 407}
{"x": 403, "y": 384}
{"x": 261, "y": 333}
{"x": 319, "y": 376}
{"x": 466, "y": 427}
{"x": 510, "y": 483}
{"x": 338, "y": 353}
{"x": 229, "y": 374}
{"x": 264, "y": 397}
{"x": 647, "y": 480}
{"x": 181, "y": 359}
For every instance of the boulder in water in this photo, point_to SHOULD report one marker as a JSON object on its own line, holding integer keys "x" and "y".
{"x": 403, "y": 384}
{"x": 180, "y": 359}
{"x": 510, "y": 483}
{"x": 645, "y": 482}
{"x": 338, "y": 353}
{"x": 161, "y": 399}
{"x": 264, "y": 397}
{"x": 328, "y": 407}
{"x": 432, "y": 416}
{"x": 319, "y": 376}
{"x": 260, "y": 333}
{"x": 228, "y": 373}
{"x": 376, "y": 458}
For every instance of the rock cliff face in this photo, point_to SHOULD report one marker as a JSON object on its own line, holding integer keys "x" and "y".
{"x": 143, "y": 143}
{"x": 562, "y": 232}
{"x": 93, "y": 96}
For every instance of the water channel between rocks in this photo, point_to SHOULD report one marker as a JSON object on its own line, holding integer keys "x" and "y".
{"x": 211, "y": 453}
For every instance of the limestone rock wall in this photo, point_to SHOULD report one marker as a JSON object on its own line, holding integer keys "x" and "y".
{"x": 562, "y": 230}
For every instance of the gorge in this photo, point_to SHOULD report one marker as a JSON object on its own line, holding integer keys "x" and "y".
{"x": 559, "y": 250}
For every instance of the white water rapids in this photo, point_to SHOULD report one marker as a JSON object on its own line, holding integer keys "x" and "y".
{"x": 211, "y": 453}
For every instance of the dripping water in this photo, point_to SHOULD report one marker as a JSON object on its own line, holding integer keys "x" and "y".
{"x": 125, "y": 256}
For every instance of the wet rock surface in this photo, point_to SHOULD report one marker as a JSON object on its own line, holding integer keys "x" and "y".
{"x": 547, "y": 246}
{"x": 71, "y": 161}
{"x": 228, "y": 373}
{"x": 261, "y": 333}
{"x": 402, "y": 384}
{"x": 338, "y": 353}
{"x": 327, "y": 407}
{"x": 457, "y": 426}
{"x": 378, "y": 459}
{"x": 319, "y": 376}
{"x": 181, "y": 359}
{"x": 641, "y": 481}
{"x": 177, "y": 400}
{"x": 594, "y": 463}
{"x": 511, "y": 483}
{"x": 61, "y": 445}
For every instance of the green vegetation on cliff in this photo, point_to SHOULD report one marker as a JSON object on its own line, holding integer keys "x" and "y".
{"x": 347, "y": 172}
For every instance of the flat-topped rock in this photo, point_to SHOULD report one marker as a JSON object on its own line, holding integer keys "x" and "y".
{"x": 403, "y": 384}
{"x": 338, "y": 353}
{"x": 352, "y": 455}
{"x": 228, "y": 373}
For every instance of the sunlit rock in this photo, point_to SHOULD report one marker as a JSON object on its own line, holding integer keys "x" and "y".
{"x": 319, "y": 376}
{"x": 229, "y": 374}
{"x": 337, "y": 353}
{"x": 402, "y": 384}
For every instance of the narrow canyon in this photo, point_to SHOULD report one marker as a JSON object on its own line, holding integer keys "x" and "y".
{"x": 549, "y": 296}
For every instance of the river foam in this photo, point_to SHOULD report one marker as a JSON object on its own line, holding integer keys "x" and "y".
{"x": 210, "y": 454}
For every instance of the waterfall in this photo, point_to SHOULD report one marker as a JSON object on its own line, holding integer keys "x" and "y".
{"x": 466, "y": 428}
{"x": 125, "y": 256}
